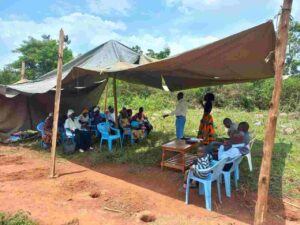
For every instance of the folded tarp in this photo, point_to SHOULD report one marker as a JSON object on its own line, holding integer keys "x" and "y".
{"x": 243, "y": 57}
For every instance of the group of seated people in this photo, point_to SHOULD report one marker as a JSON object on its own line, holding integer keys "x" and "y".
{"x": 139, "y": 124}
{"x": 237, "y": 144}
{"x": 81, "y": 126}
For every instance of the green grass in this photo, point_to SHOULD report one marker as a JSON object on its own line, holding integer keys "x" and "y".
{"x": 19, "y": 218}
{"x": 285, "y": 174}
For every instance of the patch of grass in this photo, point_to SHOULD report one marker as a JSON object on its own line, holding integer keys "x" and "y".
{"x": 19, "y": 218}
{"x": 285, "y": 174}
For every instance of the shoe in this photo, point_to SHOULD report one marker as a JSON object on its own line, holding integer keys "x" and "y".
{"x": 91, "y": 148}
{"x": 81, "y": 150}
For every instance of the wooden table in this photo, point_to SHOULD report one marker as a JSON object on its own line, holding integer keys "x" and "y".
{"x": 182, "y": 160}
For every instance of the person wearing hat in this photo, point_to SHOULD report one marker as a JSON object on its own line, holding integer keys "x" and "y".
{"x": 84, "y": 118}
{"x": 82, "y": 137}
{"x": 97, "y": 117}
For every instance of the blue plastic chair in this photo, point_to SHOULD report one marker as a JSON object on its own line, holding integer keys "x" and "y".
{"x": 127, "y": 131}
{"x": 40, "y": 128}
{"x": 104, "y": 128}
{"x": 215, "y": 173}
{"x": 227, "y": 174}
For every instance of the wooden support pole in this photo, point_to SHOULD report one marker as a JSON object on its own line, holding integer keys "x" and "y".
{"x": 115, "y": 100}
{"x": 264, "y": 176}
{"x": 57, "y": 102}
{"x": 106, "y": 95}
{"x": 22, "y": 71}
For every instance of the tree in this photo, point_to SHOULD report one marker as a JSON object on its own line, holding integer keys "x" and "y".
{"x": 137, "y": 49}
{"x": 151, "y": 53}
{"x": 40, "y": 56}
{"x": 8, "y": 75}
{"x": 293, "y": 49}
{"x": 159, "y": 55}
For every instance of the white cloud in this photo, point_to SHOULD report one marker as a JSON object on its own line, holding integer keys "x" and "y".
{"x": 86, "y": 32}
{"x": 186, "y": 6}
{"x": 177, "y": 44}
{"x": 109, "y": 6}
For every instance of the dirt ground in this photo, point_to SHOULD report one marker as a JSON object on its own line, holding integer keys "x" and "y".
{"x": 117, "y": 194}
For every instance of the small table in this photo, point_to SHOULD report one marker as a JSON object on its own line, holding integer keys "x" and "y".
{"x": 182, "y": 159}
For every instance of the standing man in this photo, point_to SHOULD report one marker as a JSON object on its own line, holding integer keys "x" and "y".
{"x": 180, "y": 113}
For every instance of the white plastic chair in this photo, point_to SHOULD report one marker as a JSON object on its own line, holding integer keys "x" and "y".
{"x": 250, "y": 145}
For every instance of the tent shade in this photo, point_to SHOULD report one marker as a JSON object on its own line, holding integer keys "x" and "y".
{"x": 241, "y": 57}
{"x": 26, "y": 103}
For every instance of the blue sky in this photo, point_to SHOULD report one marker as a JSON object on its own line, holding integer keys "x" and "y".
{"x": 155, "y": 24}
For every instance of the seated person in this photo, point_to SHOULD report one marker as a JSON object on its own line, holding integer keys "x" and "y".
{"x": 123, "y": 118}
{"x": 129, "y": 114}
{"x": 237, "y": 145}
{"x": 244, "y": 127}
{"x": 84, "y": 119}
{"x": 204, "y": 161}
{"x": 82, "y": 137}
{"x": 239, "y": 136}
{"x": 97, "y": 117}
{"x": 47, "y": 138}
{"x": 231, "y": 126}
{"x": 110, "y": 114}
{"x": 143, "y": 120}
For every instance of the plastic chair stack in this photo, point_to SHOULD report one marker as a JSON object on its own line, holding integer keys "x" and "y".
{"x": 215, "y": 173}
{"x": 104, "y": 129}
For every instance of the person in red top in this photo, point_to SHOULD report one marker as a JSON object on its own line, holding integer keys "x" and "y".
{"x": 143, "y": 120}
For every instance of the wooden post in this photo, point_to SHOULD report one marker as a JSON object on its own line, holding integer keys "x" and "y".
{"x": 57, "y": 102}
{"x": 106, "y": 94}
{"x": 264, "y": 176}
{"x": 115, "y": 100}
{"x": 22, "y": 70}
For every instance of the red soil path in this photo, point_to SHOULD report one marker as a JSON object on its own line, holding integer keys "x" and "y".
{"x": 82, "y": 195}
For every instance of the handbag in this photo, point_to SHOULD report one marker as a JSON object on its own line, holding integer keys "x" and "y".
{"x": 69, "y": 146}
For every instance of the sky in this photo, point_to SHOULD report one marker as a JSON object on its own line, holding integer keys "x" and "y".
{"x": 151, "y": 24}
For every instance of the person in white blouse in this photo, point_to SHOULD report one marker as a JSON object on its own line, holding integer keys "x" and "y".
{"x": 82, "y": 137}
{"x": 180, "y": 113}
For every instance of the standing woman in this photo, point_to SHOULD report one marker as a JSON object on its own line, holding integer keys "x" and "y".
{"x": 206, "y": 128}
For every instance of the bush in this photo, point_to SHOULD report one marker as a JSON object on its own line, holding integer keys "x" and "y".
{"x": 248, "y": 96}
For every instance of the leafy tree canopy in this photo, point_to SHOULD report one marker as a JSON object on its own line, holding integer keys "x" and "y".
{"x": 151, "y": 53}
{"x": 292, "y": 66}
{"x": 40, "y": 56}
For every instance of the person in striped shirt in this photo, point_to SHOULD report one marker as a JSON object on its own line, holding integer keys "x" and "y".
{"x": 204, "y": 161}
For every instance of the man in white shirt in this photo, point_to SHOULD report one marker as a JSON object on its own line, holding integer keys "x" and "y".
{"x": 180, "y": 113}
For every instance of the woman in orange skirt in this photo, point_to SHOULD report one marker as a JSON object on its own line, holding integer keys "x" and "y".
{"x": 206, "y": 127}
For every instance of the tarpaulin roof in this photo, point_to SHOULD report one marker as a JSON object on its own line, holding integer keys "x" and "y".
{"x": 243, "y": 57}
{"x": 26, "y": 103}
{"x": 111, "y": 56}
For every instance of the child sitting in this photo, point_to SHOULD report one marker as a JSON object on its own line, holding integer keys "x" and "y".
{"x": 203, "y": 161}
